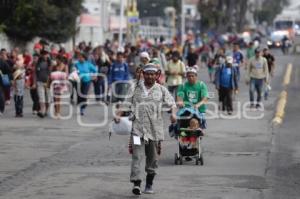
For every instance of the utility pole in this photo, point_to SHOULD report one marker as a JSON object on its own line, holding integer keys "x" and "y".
{"x": 182, "y": 22}
{"x": 121, "y": 25}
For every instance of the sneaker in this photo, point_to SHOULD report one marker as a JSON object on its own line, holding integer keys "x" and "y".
{"x": 257, "y": 106}
{"x": 136, "y": 190}
{"x": 148, "y": 190}
{"x": 81, "y": 112}
{"x": 41, "y": 115}
{"x": 34, "y": 112}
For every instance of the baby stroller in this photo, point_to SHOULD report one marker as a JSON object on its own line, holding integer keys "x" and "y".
{"x": 189, "y": 140}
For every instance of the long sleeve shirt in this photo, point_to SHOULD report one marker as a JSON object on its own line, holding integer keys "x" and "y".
{"x": 147, "y": 107}
{"x": 258, "y": 68}
{"x": 86, "y": 70}
{"x": 230, "y": 72}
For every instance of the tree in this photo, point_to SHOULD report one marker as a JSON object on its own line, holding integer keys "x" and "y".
{"x": 213, "y": 13}
{"x": 269, "y": 10}
{"x": 230, "y": 15}
{"x": 54, "y": 20}
{"x": 151, "y": 8}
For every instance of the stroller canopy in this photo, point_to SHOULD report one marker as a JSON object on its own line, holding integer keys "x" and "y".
{"x": 189, "y": 113}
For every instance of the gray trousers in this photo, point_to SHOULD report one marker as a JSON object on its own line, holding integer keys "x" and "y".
{"x": 149, "y": 150}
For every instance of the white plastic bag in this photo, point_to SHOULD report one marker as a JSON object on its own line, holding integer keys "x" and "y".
{"x": 123, "y": 127}
{"x": 74, "y": 76}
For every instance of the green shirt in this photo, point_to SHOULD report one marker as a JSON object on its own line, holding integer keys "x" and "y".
{"x": 250, "y": 52}
{"x": 193, "y": 93}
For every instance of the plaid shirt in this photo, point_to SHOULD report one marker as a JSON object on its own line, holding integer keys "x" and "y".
{"x": 147, "y": 107}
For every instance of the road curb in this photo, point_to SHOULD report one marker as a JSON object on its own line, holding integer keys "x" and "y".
{"x": 287, "y": 76}
{"x": 282, "y": 99}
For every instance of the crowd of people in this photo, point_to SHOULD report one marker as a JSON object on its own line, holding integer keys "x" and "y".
{"x": 104, "y": 68}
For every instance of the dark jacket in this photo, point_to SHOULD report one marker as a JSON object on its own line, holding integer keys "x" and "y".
{"x": 234, "y": 77}
{"x": 5, "y": 69}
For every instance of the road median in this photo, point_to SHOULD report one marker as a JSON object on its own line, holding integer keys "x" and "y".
{"x": 282, "y": 99}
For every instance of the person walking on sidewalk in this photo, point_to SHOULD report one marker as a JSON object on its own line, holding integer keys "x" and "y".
{"x": 19, "y": 90}
{"x": 271, "y": 65}
{"x": 30, "y": 70}
{"x": 117, "y": 76}
{"x": 41, "y": 78}
{"x": 58, "y": 80}
{"x": 86, "y": 71}
{"x": 238, "y": 58}
{"x": 175, "y": 72}
{"x": 147, "y": 128}
{"x": 4, "y": 79}
{"x": 226, "y": 81}
{"x": 257, "y": 75}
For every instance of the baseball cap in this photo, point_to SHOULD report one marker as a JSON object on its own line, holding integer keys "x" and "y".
{"x": 229, "y": 60}
{"x": 145, "y": 55}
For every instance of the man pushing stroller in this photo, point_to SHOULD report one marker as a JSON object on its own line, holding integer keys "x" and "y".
{"x": 193, "y": 95}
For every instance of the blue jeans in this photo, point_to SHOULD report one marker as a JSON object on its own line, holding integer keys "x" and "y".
{"x": 238, "y": 72}
{"x": 82, "y": 96}
{"x": 99, "y": 89}
{"x": 256, "y": 85}
{"x": 121, "y": 89}
{"x": 18, "y": 104}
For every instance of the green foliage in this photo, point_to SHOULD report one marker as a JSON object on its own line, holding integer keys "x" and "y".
{"x": 150, "y": 8}
{"x": 228, "y": 15}
{"x": 54, "y": 20}
{"x": 214, "y": 14}
{"x": 269, "y": 10}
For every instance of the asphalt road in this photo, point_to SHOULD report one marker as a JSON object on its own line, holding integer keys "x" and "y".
{"x": 244, "y": 157}
{"x": 284, "y": 165}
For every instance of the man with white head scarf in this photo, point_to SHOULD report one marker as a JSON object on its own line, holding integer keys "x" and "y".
{"x": 147, "y": 128}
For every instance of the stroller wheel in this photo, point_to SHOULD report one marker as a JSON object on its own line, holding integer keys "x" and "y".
{"x": 201, "y": 160}
{"x": 180, "y": 160}
{"x": 176, "y": 159}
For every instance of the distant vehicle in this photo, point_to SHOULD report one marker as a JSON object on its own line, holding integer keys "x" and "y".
{"x": 284, "y": 25}
{"x": 276, "y": 38}
{"x": 288, "y": 22}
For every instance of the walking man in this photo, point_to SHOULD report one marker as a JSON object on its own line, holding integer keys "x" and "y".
{"x": 226, "y": 80}
{"x": 257, "y": 75}
{"x": 271, "y": 65}
{"x": 147, "y": 128}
